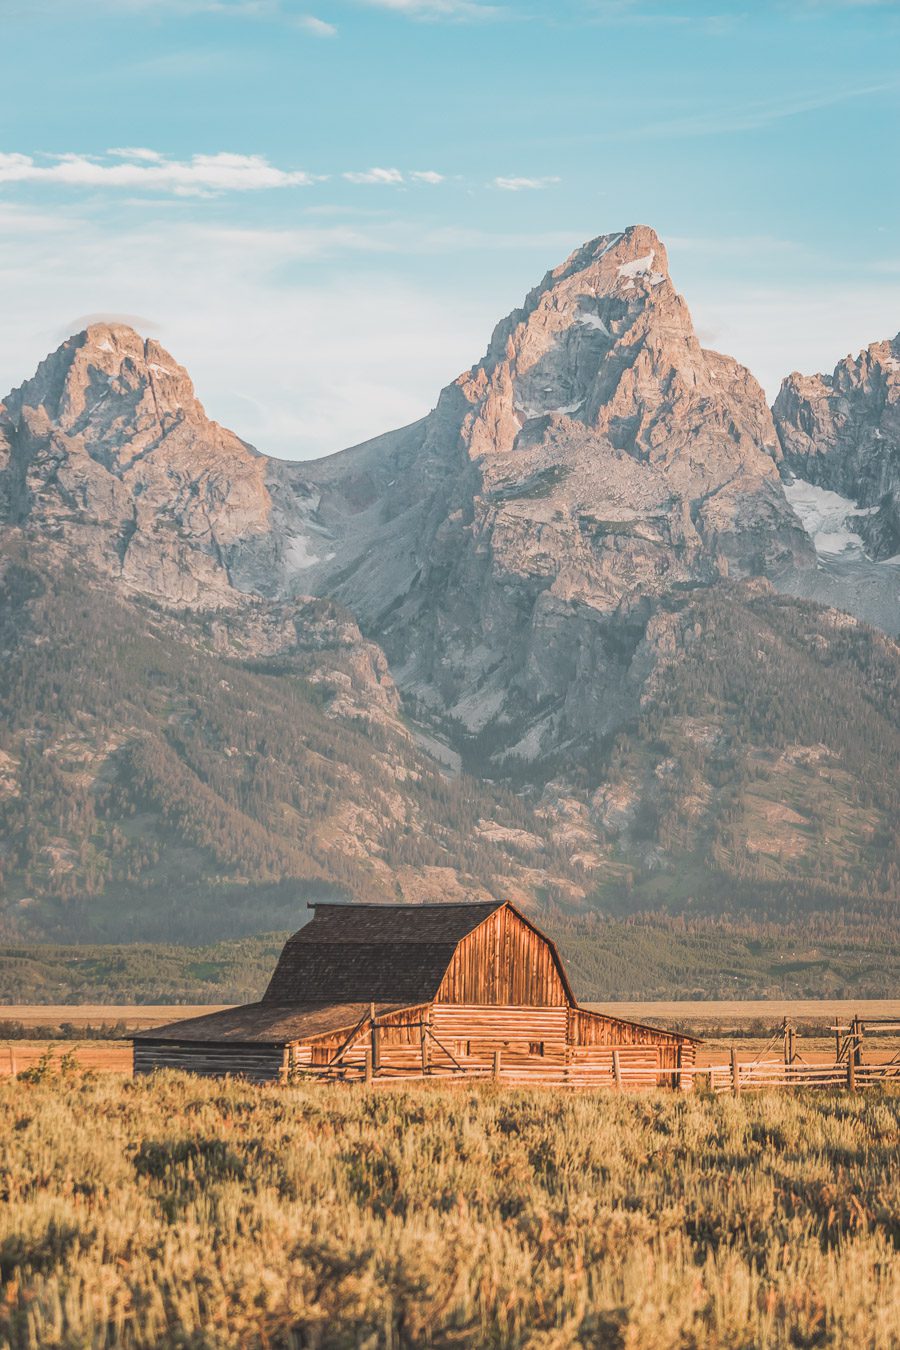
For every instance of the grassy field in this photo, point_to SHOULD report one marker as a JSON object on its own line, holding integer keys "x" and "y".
{"x": 132, "y": 1016}
{"x": 173, "y": 1212}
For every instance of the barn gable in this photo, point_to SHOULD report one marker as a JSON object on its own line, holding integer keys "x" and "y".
{"x": 505, "y": 960}
{"x": 381, "y": 953}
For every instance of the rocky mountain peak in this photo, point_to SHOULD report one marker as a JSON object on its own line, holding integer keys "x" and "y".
{"x": 597, "y": 459}
{"x": 607, "y": 343}
{"x": 107, "y": 448}
{"x": 121, "y": 394}
{"x": 841, "y": 432}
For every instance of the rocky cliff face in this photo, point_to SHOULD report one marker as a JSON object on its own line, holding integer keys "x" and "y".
{"x": 509, "y": 549}
{"x": 842, "y": 432}
{"x": 108, "y": 452}
{"x": 565, "y": 570}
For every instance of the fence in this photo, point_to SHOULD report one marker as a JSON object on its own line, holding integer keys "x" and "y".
{"x": 733, "y": 1077}
{"x": 769, "y": 1073}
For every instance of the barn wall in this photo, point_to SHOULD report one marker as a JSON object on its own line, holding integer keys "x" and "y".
{"x": 467, "y": 1036}
{"x": 503, "y": 962}
{"x": 471, "y": 1034}
{"x": 591, "y": 1028}
{"x": 256, "y": 1063}
{"x": 399, "y": 1043}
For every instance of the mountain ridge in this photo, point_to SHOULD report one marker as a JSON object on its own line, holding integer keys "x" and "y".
{"x": 546, "y": 609}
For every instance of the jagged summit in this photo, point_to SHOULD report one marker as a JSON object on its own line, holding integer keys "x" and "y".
{"x": 120, "y": 392}
{"x": 509, "y": 545}
{"x": 606, "y": 341}
{"x": 842, "y": 433}
{"x": 840, "y": 436}
{"x": 108, "y": 449}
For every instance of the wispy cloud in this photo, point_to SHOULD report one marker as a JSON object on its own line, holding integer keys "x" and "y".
{"x": 136, "y": 152}
{"x": 138, "y": 167}
{"x": 316, "y": 27}
{"x": 750, "y": 116}
{"x": 380, "y": 176}
{"x": 141, "y": 168}
{"x": 453, "y": 10}
{"x": 440, "y": 9}
{"x": 393, "y": 177}
{"x": 523, "y": 184}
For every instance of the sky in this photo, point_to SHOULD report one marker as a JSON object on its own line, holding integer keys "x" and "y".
{"x": 322, "y": 207}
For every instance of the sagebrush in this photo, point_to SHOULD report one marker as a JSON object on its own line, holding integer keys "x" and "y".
{"x": 175, "y": 1212}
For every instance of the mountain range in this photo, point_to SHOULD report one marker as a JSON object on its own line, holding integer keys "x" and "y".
{"x": 601, "y": 631}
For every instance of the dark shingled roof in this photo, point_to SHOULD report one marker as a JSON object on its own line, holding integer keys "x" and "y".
{"x": 267, "y": 1023}
{"x": 361, "y": 953}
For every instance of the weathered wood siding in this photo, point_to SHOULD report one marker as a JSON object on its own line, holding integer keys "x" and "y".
{"x": 503, "y": 962}
{"x": 256, "y": 1063}
{"x": 471, "y": 1034}
{"x": 397, "y": 1044}
{"x": 593, "y": 1028}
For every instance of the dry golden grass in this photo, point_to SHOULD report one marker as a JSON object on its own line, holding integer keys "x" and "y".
{"x": 133, "y": 1015}
{"x": 176, "y": 1212}
{"x": 740, "y": 1012}
{"x": 99, "y": 1056}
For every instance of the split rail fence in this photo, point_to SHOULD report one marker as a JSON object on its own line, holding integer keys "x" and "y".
{"x": 619, "y": 1073}
{"x": 732, "y": 1077}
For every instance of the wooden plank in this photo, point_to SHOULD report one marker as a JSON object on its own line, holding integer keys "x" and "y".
{"x": 503, "y": 961}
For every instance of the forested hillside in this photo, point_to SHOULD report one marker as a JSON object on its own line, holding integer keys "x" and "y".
{"x": 151, "y": 786}
{"x": 763, "y": 770}
{"x": 647, "y": 956}
{"x": 172, "y": 777}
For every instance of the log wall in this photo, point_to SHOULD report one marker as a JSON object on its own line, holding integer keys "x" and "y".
{"x": 256, "y": 1063}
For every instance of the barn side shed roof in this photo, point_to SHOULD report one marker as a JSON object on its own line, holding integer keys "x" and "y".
{"x": 268, "y": 1023}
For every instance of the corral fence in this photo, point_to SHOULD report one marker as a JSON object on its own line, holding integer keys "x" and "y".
{"x": 769, "y": 1073}
{"x": 733, "y": 1076}
{"x": 848, "y": 1069}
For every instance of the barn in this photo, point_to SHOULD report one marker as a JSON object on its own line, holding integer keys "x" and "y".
{"x": 412, "y": 990}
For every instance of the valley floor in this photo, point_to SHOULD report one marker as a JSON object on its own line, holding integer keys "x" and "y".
{"x": 176, "y": 1212}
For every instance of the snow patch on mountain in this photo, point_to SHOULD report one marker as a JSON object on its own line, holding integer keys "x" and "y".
{"x": 827, "y": 518}
{"x": 299, "y": 553}
{"x": 638, "y": 267}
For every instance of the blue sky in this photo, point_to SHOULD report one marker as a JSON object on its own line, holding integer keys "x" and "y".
{"x": 322, "y": 208}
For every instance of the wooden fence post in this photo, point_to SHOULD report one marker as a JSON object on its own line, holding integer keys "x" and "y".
{"x": 12, "y": 1062}
{"x": 617, "y": 1070}
{"x": 735, "y": 1073}
{"x": 851, "y": 1071}
{"x": 376, "y": 1049}
{"x": 368, "y": 1069}
{"x": 497, "y": 1064}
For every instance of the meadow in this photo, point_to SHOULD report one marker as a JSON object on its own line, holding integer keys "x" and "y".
{"x": 177, "y": 1212}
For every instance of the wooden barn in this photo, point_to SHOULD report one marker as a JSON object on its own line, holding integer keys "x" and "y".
{"x": 412, "y": 990}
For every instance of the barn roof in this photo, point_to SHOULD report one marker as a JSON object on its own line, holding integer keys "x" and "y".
{"x": 360, "y": 953}
{"x": 267, "y": 1023}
